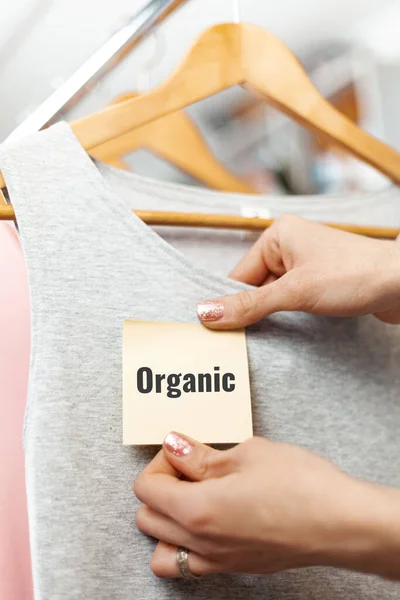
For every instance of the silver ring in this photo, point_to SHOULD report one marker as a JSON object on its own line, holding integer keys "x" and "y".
{"x": 182, "y": 555}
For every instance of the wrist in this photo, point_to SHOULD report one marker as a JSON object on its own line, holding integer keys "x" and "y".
{"x": 367, "y": 532}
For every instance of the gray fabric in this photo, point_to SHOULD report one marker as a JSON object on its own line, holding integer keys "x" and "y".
{"x": 331, "y": 385}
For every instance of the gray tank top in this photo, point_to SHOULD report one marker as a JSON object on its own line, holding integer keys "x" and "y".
{"x": 331, "y": 385}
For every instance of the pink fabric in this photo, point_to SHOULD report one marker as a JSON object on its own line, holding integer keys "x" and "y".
{"x": 15, "y": 566}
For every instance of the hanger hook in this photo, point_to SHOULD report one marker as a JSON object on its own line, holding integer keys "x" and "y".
{"x": 236, "y": 11}
{"x": 144, "y": 75}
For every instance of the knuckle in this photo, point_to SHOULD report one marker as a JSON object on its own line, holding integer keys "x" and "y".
{"x": 157, "y": 566}
{"x": 204, "y": 460}
{"x": 199, "y": 520}
{"x": 289, "y": 220}
{"x": 138, "y": 486}
{"x": 253, "y": 447}
{"x": 222, "y": 462}
{"x": 141, "y": 518}
{"x": 294, "y": 289}
{"x": 243, "y": 305}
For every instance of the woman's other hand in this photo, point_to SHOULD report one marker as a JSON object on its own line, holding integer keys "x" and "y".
{"x": 263, "y": 507}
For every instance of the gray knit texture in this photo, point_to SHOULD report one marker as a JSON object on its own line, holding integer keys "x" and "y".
{"x": 330, "y": 385}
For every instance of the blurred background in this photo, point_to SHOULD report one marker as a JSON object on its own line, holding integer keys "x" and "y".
{"x": 351, "y": 48}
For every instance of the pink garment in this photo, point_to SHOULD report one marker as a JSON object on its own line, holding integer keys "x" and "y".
{"x": 15, "y": 565}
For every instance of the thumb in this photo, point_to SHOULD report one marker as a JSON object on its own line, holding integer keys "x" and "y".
{"x": 194, "y": 460}
{"x": 245, "y": 308}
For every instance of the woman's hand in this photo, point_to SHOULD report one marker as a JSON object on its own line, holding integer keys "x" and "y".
{"x": 302, "y": 266}
{"x": 263, "y": 507}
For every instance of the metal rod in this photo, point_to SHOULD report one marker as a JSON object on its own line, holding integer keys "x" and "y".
{"x": 236, "y": 11}
{"x": 97, "y": 66}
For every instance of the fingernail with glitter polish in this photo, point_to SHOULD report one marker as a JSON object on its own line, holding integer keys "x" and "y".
{"x": 177, "y": 444}
{"x": 210, "y": 311}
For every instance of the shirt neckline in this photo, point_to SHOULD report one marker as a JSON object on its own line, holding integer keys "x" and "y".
{"x": 309, "y": 205}
{"x": 142, "y": 233}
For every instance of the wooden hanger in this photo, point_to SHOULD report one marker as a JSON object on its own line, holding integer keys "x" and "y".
{"x": 223, "y": 56}
{"x": 119, "y": 163}
{"x": 231, "y": 54}
{"x": 176, "y": 139}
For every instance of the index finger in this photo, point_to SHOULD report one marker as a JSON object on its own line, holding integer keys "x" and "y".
{"x": 160, "y": 487}
{"x": 262, "y": 260}
{"x": 160, "y": 465}
{"x": 163, "y": 492}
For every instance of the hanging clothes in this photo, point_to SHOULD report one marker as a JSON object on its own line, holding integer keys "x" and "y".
{"x": 330, "y": 385}
{"x": 15, "y": 564}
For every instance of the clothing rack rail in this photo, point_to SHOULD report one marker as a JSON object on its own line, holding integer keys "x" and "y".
{"x": 214, "y": 221}
{"x": 97, "y": 66}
